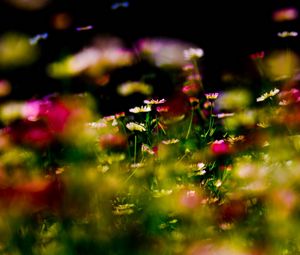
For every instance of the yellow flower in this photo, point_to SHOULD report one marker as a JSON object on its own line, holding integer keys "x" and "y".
{"x": 130, "y": 88}
{"x": 146, "y": 108}
{"x": 136, "y": 127}
{"x": 267, "y": 95}
{"x": 211, "y": 96}
{"x": 154, "y": 101}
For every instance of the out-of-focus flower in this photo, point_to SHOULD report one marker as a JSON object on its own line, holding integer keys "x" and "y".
{"x": 189, "y": 68}
{"x": 11, "y": 111}
{"x": 267, "y": 95}
{"x": 147, "y": 149}
{"x": 289, "y": 97}
{"x": 220, "y": 147}
{"x": 233, "y": 210}
{"x": 194, "y": 101}
{"x": 281, "y": 65}
{"x": 95, "y": 60}
{"x": 15, "y": 50}
{"x": 5, "y": 88}
{"x": 33, "y": 195}
{"x": 61, "y": 20}
{"x": 233, "y": 99}
{"x": 285, "y": 14}
{"x": 285, "y": 34}
{"x": 190, "y": 199}
{"x": 257, "y": 55}
{"x": 136, "y": 127}
{"x": 113, "y": 141}
{"x": 129, "y": 88}
{"x": 30, "y": 5}
{"x": 154, "y": 101}
{"x": 34, "y": 134}
{"x": 164, "y": 52}
{"x": 193, "y": 53}
{"x": 37, "y": 136}
{"x": 225, "y": 115}
{"x": 146, "y": 108}
{"x": 191, "y": 89}
{"x": 162, "y": 108}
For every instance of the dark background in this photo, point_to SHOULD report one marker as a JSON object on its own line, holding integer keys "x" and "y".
{"x": 228, "y": 31}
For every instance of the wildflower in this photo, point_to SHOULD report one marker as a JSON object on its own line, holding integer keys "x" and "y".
{"x": 130, "y": 88}
{"x": 95, "y": 60}
{"x": 162, "y": 108}
{"x": 267, "y": 95}
{"x": 11, "y": 111}
{"x": 289, "y": 97}
{"x": 234, "y": 139}
{"x": 164, "y": 52}
{"x": 37, "y": 136}
{"x": 263, "y": 124}
{"x": 5, "y": 88}
{"x": 146, "y": 108}
{"x": 119, "y": 115}
{"x": 15, "y": 50}
{"x": 282, "y": 65}
{"x": 285, "y": 14}
{"x": 220, "y": 147}
{"x": 171, "y": 141}
{"x": 31, "y": 110}
{"x": 287, "y": 34}
{"x": 188, "y": 67}
{"x": 154, "y": 101}
{"x": 225, "y": 115}
{"x": 233, "y": 99}
{"x": 147, "y": 149}
{"x": 194, "y": 100}
{"x": 218, "y": 183}
{"x": 211, "y": 96}
{"x": 257, "y": 55}
{"x": 193, "y": 53}
{"x": 109, "y": 118}
{"x": 191, "y": 89}
{"x": 29, "y": 5}
{"x": 136, "y": 127}
{"x": 124, "y": 209}
{"x": 190, "y": 199}
{"x": 194, "y": 77}
{"x": 200, "y": 166}
{"x": 99, "y": 124}
{"x": 112, "y": 141}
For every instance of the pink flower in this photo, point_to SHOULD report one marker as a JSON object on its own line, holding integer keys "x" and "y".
{"x": 220, "y": 147}
{"x": 190, "y": 199}
{"x": 56, "y": 115}
{"x": 191, "y": 89}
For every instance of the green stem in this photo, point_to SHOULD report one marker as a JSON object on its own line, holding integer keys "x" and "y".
{"x": 134, "y": 155}
{"x": 190, "y": 125}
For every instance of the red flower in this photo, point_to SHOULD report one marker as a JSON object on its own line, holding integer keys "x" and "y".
{"x": 32, "y": 195}
{"x": 220, "y": 147}
{"x": 113, "y": 141}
